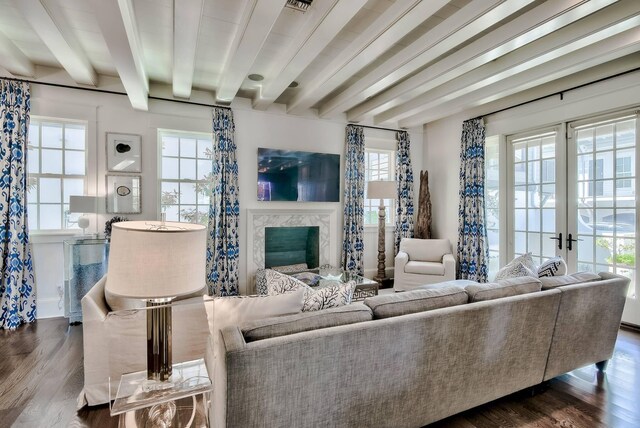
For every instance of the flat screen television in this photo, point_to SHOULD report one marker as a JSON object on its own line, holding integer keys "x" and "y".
{"x": 286, "y": 175}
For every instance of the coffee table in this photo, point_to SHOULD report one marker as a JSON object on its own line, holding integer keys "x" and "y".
{"x": 329, "y": 275}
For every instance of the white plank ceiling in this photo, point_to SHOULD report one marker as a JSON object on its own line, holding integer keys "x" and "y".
{"x": 392, "y": 63}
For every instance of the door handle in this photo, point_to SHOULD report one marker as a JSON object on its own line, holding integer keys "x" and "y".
{"x": 570, "y": 242}
{"x": 559, "y": 239}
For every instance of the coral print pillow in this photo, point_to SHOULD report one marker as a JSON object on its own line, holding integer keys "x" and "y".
{"x": 315, "y": 299}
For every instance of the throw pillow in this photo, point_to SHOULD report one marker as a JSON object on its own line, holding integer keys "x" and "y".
{"x": 525, "y": 259}
{"x": 291, "y": 268}
{"x": 555, "y": 266}
{"x": 515, "y": 271}
{"x": 261, "y": 282}
{"x": 279, "y": 283}
{"x": 315, "y": 299}
{"x": 331, "y": 296}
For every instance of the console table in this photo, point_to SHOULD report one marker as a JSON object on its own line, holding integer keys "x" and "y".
{"x": 85, "y": 262}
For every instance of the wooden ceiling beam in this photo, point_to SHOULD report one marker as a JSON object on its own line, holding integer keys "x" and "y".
{"x": 186, "y": 27}
{"x": 313, "y": 38}
{"x": 618, "y": 46}
{"x": 589, "y": 30}
{"x": 256, "y": 24}
{"x": 120, "y": 31}
{"x": 13, "y": 60}
{"x": 389, "y": 28}
{"x": 526, "y": 28}
{"x": 464, "y": 24}
{"x": 57, "y": 35}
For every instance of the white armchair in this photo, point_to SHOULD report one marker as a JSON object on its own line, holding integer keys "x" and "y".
{"x": 423, "y": 261}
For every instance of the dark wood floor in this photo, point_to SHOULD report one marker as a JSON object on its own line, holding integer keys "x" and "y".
{"x": 41, "y": 376}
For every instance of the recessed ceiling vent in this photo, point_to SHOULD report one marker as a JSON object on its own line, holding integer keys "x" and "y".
{"x": 299, "y": 5}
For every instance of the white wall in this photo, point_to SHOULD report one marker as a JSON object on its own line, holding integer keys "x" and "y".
{"x": 113, "y": 113}
{"x": 441, "y": 153}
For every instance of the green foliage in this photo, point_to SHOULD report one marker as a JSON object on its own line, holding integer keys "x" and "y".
{"x": 625, "y": 253}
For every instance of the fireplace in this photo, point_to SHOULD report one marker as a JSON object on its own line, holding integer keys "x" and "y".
{"x": 260, "y": 220}
{"x": 285, "y": 246}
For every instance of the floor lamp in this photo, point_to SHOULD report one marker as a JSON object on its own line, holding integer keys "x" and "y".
{"x": 157, "y": 262}
{"x": 381, "y": 190}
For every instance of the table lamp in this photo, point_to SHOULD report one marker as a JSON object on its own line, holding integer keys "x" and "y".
{"x": 157, "y": 262}
{"x": 381, "y": 190}
{"x": 84, "y": 205}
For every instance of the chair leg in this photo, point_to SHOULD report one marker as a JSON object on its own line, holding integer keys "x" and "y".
{"x": 602, "y": 365}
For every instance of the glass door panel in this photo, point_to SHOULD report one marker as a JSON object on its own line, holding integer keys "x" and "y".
{"x": 605, "y": 213}
{"x": 534, "y": 217}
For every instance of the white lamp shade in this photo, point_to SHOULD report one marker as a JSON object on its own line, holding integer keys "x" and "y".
{"x": 381, "y": 190}
{"x": 146, "y": 262}
{"x": 83, "y": 204}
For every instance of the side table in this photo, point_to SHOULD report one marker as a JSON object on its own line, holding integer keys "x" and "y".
{"x": 183, "y": 403}
{"x": 85, "y": 262}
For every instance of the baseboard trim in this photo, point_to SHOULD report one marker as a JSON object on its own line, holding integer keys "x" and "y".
{"x": 48, "y": 308}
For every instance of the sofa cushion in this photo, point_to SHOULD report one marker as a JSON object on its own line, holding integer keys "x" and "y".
{"x": 460, "y": 283}
{"x": 503, "y": 288}
{"x": 409, "y": 302}
{"x": 514, "y": 270}
{"x": 549, "y": 282}
{"x": 424, "y": 268}
{"x": 554, "y": 266}
{"x": 305, "y": 321}
{"x": 426, "y": 250}
{"x": 237, "y": 310}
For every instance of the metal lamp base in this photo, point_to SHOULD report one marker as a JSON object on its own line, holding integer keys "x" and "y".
{"x": 159, "y": 361}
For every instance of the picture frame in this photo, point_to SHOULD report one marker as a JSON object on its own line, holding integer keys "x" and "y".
{"x": 124, "y": 194}
{"x": 124, "y": 152}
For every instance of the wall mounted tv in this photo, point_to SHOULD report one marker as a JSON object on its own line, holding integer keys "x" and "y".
{"x": 285, "y": 175}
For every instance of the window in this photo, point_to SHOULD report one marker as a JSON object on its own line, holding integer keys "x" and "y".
{"x": 623, "y": 169}
{"x": 185, "y": 176}
{"x": 492, "y": 201}
{"x": 379, "y": 165}
{"x": 56, "y": 167}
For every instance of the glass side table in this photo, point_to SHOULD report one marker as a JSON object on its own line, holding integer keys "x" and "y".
{"x": 183, "y": 404}
{"x": 85, "y": 262}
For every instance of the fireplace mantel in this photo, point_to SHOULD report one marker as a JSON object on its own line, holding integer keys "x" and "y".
{"x": 258, "y": 219}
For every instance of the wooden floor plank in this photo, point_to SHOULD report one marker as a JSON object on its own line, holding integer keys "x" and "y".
{"x": 42, "y": 375}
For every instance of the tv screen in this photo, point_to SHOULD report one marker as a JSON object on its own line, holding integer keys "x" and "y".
{"x": 285, "y": 175}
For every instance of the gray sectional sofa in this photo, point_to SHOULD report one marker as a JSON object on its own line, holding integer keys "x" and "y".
{"x": 413, "y": 358}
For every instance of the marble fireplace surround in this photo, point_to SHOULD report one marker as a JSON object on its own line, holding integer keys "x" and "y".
{"x": 258, "y": 219}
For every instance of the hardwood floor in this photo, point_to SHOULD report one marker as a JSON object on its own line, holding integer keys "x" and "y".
{"x": 41, "y": 376}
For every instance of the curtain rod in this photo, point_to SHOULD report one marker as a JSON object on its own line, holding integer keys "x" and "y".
{"x": 561, "y": 93}
{"x": 105, "y": 91}
{"x": 378, "y": 127}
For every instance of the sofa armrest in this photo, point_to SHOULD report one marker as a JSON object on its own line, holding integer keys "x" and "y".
{"x": 449, "y": 263}
{"x": 401, "y": 261}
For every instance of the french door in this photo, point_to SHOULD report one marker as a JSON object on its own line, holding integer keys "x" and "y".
{"x": 573, "y": 194}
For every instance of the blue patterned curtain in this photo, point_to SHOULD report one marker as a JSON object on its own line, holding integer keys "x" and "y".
{"x": 17, "y": 281}
{"x": 224, "y": 212}
{"x": 404, "y": 182}
{"x": 473, "y": 246}
{"x": 353, "y": 228}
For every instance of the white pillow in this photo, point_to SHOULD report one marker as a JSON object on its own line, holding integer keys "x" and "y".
{"x": 555, "y": 266}
{"x": 279, "y": 283}
{"x": 515, "y": 271}
{"x": 525, "y": 259}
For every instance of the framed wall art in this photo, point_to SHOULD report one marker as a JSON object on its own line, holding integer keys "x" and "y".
{"x": 124, "y": 194}
{"x": 124, "y": 152}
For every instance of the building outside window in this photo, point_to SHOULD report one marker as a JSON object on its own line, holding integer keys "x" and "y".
{"x": 379, "y": 165}
{"x": 185, "y": 175}
{"x": 56, "y": 169}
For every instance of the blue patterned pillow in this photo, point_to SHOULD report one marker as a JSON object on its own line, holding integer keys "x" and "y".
{"x": 555, "y": 266}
